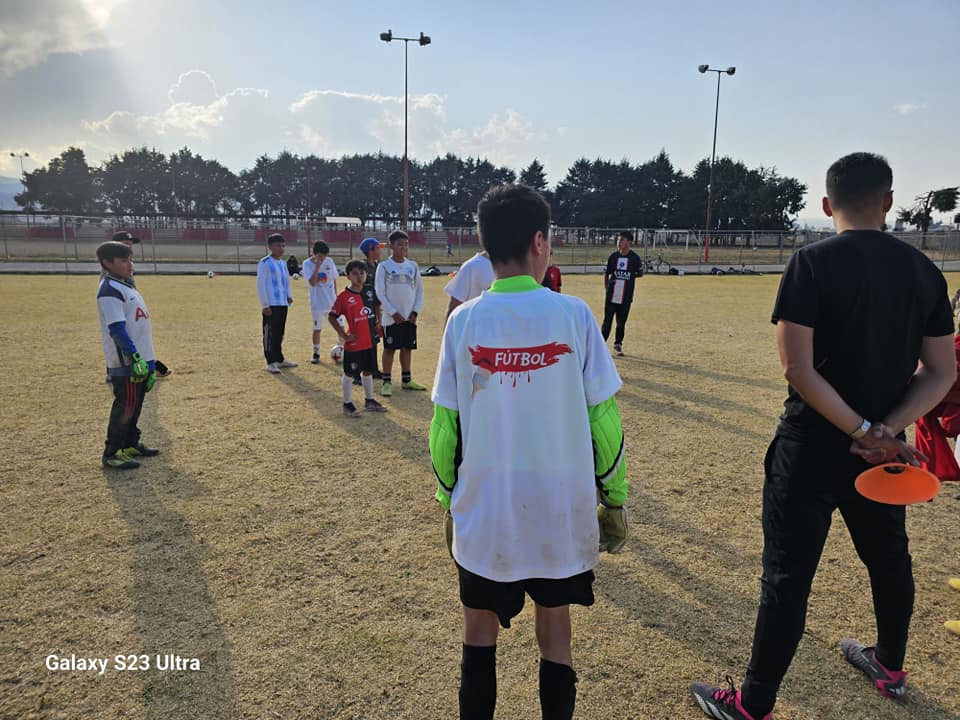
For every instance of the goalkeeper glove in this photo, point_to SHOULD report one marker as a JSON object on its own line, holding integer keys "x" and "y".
{"x": 148, "y": 383}
{"x": 448, "y": 530}
{"x": 138, "y": 368}
{"x": 613, "y": 528}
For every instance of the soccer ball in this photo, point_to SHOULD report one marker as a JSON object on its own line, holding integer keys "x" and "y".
{"x": 296, "y": 276}
{"x": 209, "y": 273}
{"x": 336, "y": 353}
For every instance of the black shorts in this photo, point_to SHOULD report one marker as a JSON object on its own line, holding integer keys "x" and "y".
{"x": 359, "y": 361}
{"x": 401, "y": 336}
{"x": 506, "y": 598}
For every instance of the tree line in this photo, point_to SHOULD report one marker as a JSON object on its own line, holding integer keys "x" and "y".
{"x": 143, "y": 182}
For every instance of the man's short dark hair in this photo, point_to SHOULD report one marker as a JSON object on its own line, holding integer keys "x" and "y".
{"x": 111, "y": 250}
{"x": 321, "y": 248}
{"x": 626, "y": 235}
{"x": 508, "y": 216}
{"x": 397, "y": 235}
{"x": 354, "y": 264}
{"x": 858, "y": 180}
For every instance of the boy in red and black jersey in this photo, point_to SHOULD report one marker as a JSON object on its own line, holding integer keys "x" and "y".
{"x": 356, "y": 338}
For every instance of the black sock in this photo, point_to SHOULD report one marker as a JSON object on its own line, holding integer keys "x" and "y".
{"x": 405, "y": 376}
{"x": 385, "y": 376}
{"x": 558, "y": 690}
{"x": 478, "y": 682}
{"x": 755, "y": 711}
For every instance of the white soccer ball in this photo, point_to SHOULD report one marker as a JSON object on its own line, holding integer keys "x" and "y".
{"x": 209, "y": 273}
{"x": 296, "y": 276}
{"x": 336, "y": 353}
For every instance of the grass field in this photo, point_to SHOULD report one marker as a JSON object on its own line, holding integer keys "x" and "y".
{"x": 298, "y": 554}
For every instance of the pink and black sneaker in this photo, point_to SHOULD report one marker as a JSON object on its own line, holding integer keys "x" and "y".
{"x": 722, "y": 704}
{"x": 890, "y": 683}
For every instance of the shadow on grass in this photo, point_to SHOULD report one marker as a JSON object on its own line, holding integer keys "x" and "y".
{"x": 174, "y": 610}
{"x": 330, "y": 403}
{"x": 680, "y": 370}
{"x": 719, "y": 628}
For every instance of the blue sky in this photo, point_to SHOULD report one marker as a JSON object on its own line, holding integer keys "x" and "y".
{"x": 505, "y": 80}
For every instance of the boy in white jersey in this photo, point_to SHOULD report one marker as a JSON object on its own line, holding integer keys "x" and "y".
{"x": 400, "y": 292}
{"x": 320, "y": 273}
{"x": 473, "y": 277}
{"x": 519, "y": 367}
{"x": 128, "y": 350}
{"x": 273, "y": 289}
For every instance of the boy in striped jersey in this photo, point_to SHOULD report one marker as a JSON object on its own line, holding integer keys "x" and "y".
{"x": 128, "y": 350}
{"x": 273, "y": 287}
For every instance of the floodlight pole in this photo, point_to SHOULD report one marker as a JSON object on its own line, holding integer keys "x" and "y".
{"x": 713, "y": 155}
{"x": 388, "y": 36}
{"x": 22, "y": 175}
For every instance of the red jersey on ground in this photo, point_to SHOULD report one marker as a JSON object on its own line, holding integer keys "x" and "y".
{"x": 350, "y": 304}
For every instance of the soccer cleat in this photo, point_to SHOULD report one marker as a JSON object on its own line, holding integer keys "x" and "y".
{"x": 890, "y": 683}
{"x": 140, "y": 450}
{"x": 722, "y": 704}
{"x": 618, "y": 348}
{"x": 953, "y": 626}
{"x": 350, "y": 410}
{"x": 273, "y": 369}
{"x": 162, "y": 370}
{"x": 413, "y": 385}
{"x": 119, "y": 461}
{"x": 373, "y": 406}
{"x": 315, "y": 360}
{"x": 287, "y": 364}
{"x": 386, "y": 389}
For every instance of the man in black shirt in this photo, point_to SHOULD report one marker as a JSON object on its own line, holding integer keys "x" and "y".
{"x": 623, "y": 267}
{"x": 854, "y": 314}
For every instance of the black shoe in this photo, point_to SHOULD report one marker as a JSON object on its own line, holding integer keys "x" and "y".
{"x": 377, "y": 375}
{"x": 373, "y": 406}
{"x": 162, "y": 370}
{"x": 140, "y": 450}
{"x": 350, "y": 410}
{"x": 315, "y": 360}
{"x": 357, "y": 381}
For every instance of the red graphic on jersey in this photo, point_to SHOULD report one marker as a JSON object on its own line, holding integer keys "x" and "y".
{"x": 140, "y": 313}
{"x": 511, "y": 362}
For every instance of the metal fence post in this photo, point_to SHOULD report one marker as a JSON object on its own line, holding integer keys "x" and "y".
{"x": 63, "y": 234}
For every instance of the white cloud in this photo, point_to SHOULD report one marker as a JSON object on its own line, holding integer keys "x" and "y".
{"x": 194, "y": 87}
{"x": 908, "y": 108}
{"x": 33, "y": 31}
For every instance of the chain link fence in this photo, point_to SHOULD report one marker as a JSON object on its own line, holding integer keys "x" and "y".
{"x": 237, "y": 245}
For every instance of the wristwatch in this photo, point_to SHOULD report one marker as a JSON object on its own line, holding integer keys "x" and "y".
{"x": 862, "y": 430}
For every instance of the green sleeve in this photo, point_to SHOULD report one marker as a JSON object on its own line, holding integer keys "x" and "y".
{"x": 609, "y": 461}
{"x": 445, "y": 451}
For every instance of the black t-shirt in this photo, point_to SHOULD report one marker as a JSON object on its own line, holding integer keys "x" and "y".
{"x": 622, "y": 271}
{"x": 370, "y": 298}
{"x": 871, "y": 299}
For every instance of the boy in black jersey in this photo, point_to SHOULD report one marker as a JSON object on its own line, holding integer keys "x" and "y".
{"x": 622, "y": 270}
{"x": 854, "y": 314}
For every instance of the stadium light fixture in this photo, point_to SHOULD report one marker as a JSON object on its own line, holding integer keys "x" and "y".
{"x": 22, "y": 174}
{"x": 713, "y": 156}
{"x": 388, "y": 36}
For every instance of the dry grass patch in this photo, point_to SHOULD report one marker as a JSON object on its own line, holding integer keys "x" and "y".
{"x": 298, "y": 553}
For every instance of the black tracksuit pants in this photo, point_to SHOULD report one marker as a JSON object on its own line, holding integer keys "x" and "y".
{"x": 805, "y": 483}
{"x": 273, "y": 327}
{"x": 609, "y": 311}
{"x": 122, "y": 430}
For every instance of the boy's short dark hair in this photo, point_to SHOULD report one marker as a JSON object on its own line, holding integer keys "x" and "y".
{"x": 321, "y": 248}
{"x": 111, "y": 250}
{"x": 626, "y": 235}
{"x": 276, "y": 238}
{"x": 397, "y": 235}
{"x": 508, "y": 216}
{"x": 353, "y": 264}
{"x": 858, "y": 180}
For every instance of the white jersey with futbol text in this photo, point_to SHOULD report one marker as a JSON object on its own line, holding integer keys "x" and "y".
{"x": 120, "y": 301}
{"x": 473, "y": 277}
{"x": 399, "y": 289}
{"x": 521, "y": 369}
{"x": 323, "y": 294}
